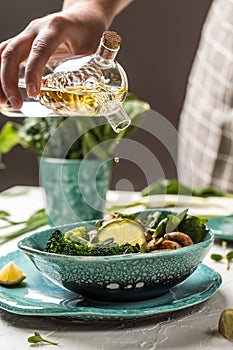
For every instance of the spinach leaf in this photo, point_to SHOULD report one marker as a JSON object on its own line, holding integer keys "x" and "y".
{"x": 175, "y": 220}
{"x": 162, "y": 225}
{"x": 160, "y": 230}
{"x": 194, "y": 227}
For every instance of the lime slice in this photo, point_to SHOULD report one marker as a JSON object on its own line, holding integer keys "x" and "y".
{"x": 226, "y": 323}
{"x": 122, "y": 231}
{"x": 11, "y": 274}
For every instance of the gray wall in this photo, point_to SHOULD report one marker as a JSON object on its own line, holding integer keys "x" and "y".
{"x": 159, "y": 41}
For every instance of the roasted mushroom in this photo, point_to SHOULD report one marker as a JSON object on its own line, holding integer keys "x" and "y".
{"x": 153, "y": 244}
{"x": 179, "y": 237}
{"x": 172, "y": 245}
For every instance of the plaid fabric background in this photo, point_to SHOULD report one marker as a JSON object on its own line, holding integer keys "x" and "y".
{"x": 206, "y": 121}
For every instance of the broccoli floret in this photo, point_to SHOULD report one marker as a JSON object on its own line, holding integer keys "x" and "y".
{"x": 72, "y": 248}
{"x": 113, "y": 249}
{"x": 60, "y": 244}
{"x": 56, "y": 243}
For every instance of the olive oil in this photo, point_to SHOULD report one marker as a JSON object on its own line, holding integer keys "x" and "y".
{"x": 94, "y": 85}
{"x": 83, "y": 101}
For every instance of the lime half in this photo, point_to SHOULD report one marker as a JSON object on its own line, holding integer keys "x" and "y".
{"x": 122, "y": 231}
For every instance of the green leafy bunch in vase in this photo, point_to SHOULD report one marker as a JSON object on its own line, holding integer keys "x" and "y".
{"x": 76, "y": 158}
{"x": 87, "y": 134}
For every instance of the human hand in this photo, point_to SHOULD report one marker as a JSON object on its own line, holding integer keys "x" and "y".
{"x": 75, "y": 30}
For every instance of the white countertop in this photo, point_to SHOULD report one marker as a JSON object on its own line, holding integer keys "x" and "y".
{"x": 193, "y": 328}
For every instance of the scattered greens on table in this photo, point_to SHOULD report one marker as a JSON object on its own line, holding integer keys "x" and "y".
{"x": 36, "y": 220}
{"x": 37, "y": 338}
{"x": 175, "y": 187}
{"x": 225, "y": 257}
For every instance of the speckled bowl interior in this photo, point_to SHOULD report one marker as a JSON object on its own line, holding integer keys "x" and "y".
{"x": 127, "y": 277}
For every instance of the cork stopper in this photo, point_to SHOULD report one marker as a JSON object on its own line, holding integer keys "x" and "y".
{"x": 111, "y": 40}
{"x": 109, "y": 45}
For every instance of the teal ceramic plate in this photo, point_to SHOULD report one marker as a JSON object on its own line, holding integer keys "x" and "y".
{"x": 222, "y": 227}
{"x": 37, "y": 296}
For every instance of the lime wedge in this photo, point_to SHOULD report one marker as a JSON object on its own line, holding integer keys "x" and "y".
{"x": 11, "y": 274}
{"x": 226, "y": 323}
{"x": 122, "y": 231}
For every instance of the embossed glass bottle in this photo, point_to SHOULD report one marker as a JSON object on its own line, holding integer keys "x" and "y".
{"x": 94, "y": 85}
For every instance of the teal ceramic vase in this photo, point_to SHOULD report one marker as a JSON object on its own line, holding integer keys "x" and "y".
{"x": 75, "y": 190}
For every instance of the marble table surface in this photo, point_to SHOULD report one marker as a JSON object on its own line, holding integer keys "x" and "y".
{"x": 192, "y": 328}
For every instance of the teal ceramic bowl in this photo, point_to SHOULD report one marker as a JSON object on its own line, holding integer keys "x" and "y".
{"x": 127, "y": 277}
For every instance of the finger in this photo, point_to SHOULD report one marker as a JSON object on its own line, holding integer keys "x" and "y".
{"x": 44, "y": 45}
{"x": 3, "y": 98}
{"x": 3, "y": 44}
{"x": 14, "y": 53}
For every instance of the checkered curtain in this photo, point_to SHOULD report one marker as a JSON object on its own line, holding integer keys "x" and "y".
{"x": 206, "y": 121}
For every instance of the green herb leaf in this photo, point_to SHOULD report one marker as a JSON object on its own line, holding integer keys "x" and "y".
{"x": 175, "y": 187}
{"x": 4, "y": 214}
{"x": 160, "y": 230}
{"x": 8, "y": 137}
{"x": 229, "y": 256}
{"x": 34, "y": 339}
{"x": 194, "y": 227}
{"x": 164, "y": 225}
{"x": 166, "y": 187}
{"x": 36, "y": 220}
{"x": 175, "y": 220}
{"x": 37, "y": 338}
{"x": 217, "y": 257}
